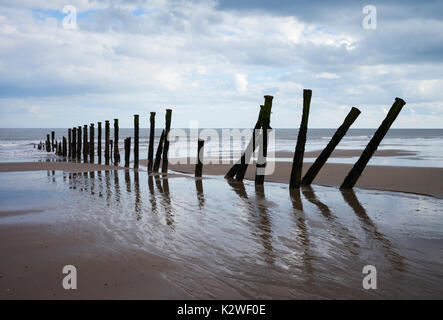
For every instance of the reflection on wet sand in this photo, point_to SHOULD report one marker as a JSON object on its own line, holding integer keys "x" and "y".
{"x": 116, "y": 186}
{"x": 137, "y": 195}
{"x": 200, "y": 194}
{"x": 371, "y": 229}
{"x": 166, "y": 199}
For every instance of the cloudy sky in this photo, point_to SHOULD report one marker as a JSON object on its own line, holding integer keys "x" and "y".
{"x": 213, "y": 61}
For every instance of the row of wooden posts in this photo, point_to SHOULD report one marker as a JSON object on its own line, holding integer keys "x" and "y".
{"x": 72, "y": 148}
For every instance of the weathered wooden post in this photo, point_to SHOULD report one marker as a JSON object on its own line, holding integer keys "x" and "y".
{"x": 59, "y": 149}
{"x": 107, "y": 132}
{"x": 297, "y": 163}
{"x": 74, "y": 143}
{"x": 151, "y": 142}
{"x": 79, "y": 143}
{"x": 99, "y": 143}
{"x": 136, "y": 133}
{"x": 116, "y": 151}
{"x": 166, "y": 146}
{"x": 200, "y": 152}
{"x": 158, "y": 154}
{"x": 48, "y": 144}
{"x": 263, "y": 148}
{"x": 64, "y": 147}
{"x": 53, "y": 146}
{"x": 111, "y": 143}
{"x": 85, "y": 143}
{"x": 359, "y": 166}
{"x": 324, "y": 155}
{"x": 91, "y": 143}
{"x": 69, "y": 143}
{"x": 127, "y": 151}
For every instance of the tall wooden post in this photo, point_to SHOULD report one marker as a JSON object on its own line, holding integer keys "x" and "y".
{"x": 74, "y": 143}
{"x": 99, "y": 143}
{"x": 136, "y": 133}
{"x": 79, "y": 143}
{"x": 91, "y": 143}
{"x": 166, "y": 146}
{"x": 127, "y": 151}
{"x": 199, "y": 165}
{"x": 151, "y": 142}
{"x": 48, "y": 144}
{"x": 111, "y": 144}
{"x": 324, "y": 155}
{"x": 107, "y": 132}
{"x": 263, "y": 148}
{"x": 158, "y": 154}
{"x": 116, "y": 152}
{"x": 359, "y": 166}
{"x": 53, "y": 146}
{"x": 297, "y": 163}
{"x": 69, "y": 143}
{"x": 85, "y": 143}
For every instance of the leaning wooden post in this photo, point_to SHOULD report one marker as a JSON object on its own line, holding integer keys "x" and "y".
{"x": 297, "y": 163}
{"x": 263, "y": 150}
{"x": 85, "y": 143}
{"x": 136, "y": 133}
{"x": 69, "y": 143}
{"x": 199, "y": 165}
{"x": 166, "y": 146}
{"x": 116, "y": 151}
{"x": 158, "y": 154}
{"x": 151, "y": 142}
{"x": 324, "y": 155}
{"x": 53, "y": 146}
{"x": 127, "y": 151}
{"x": 359, "y": 166}
{"x": 107, "y": 132}
{"x": 79, "y": 143}
{"x": 91, "y": 143}
{"x": 64, "y": 148}
{"x": 99, "y": 143}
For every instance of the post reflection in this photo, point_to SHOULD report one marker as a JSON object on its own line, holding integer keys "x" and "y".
{"x": 166, "y": 200}
{"x": 137, "y": 195}
{"x": 200, "y": 194}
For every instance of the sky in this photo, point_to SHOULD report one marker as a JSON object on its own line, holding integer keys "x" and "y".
{"x": 213, "y": 61}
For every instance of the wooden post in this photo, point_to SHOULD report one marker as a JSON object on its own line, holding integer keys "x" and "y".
{"x": 166, "y": 146}
{"x": 53, "y": 146}
{"x": 79, "y": 143}
{"x": 240, "y": 167}
{"x": 74, "y": 143}
{"x": 48, "y": 144}
{"x": 136, "y": 133}
{"x": 59, "y": 149}
{"x": 111, "y": 143}
{"x": 158, "y": 154}
{"x": 297, "y": 163}
{"x": 199, "y": 165}
{"x": 151, "y": 142}
{"x": 324, "y": 155}
{"x": 359, "y": 166}
{"x": 85, "y": 143}
{"x": 64, "y": 148}
{"x": 263, "y": 150}
{"x": 99, "y": 143}
{"x": 69, "y": 143}
{"x": 107, "y": 132}
{"x": 91, "y": 143}
{"x": 116, "y": 152}
{"x": 127, "y": 151}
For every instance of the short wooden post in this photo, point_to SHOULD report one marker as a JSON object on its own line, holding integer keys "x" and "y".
{"x": 151, "y": 142}
{"x": 69, "y": 143}
{"x": 263, "y": 150}
{"x": 297, "y": 163}
{"x": 127, "y": 151}
{"x": 107, "y": 132}
{"x": 200, "y": 152}
{"x": 359, "y": 166}
{"x": 79, "y": 142}
{"x": 59, "y": 149}
{"x": 324, "y": 155}
{"x": 64, "y": 148}
{"x": 53, "y": 146}
{"x": 116, "y": 151}
{"x": 158, "y": 154}
{"x": 48, "y": 144}
{"x": 91, "y": 143}
{"x": 85, "y": 143}
{"x": 136, "y": 133}
{"x": 166, "y": 143}
{"x": 99, "y": 143}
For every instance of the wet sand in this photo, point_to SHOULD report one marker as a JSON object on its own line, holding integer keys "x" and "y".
{"x": 49, "y": 165}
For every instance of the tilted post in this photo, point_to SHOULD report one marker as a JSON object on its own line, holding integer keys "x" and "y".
{"x": 158, "y": 154}
{"x": 136, "y": 133}
{"x": 199, "y": 165}
{"x": 297, "y": 163}
{"x": 151, "y": 142}
{"x": 107, "y": 132}
{"x": 324, "y": 155}
{"x": 263, "y": 148}
{"x": 166, "y": 143}
{"x": 359, "y": 166}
